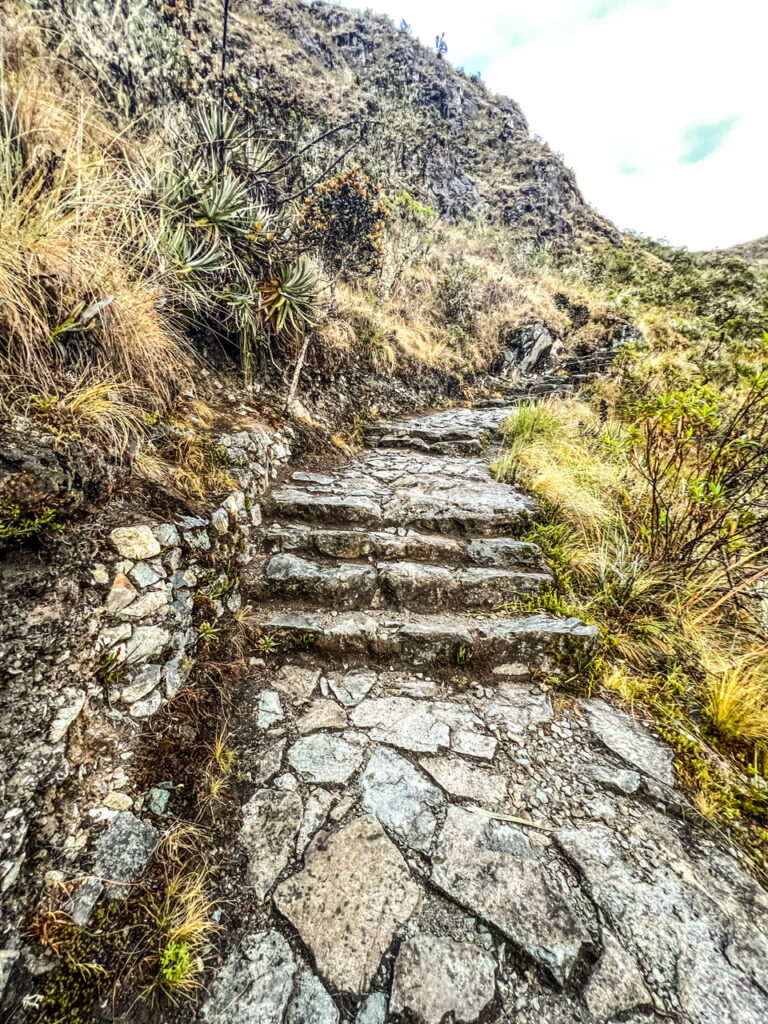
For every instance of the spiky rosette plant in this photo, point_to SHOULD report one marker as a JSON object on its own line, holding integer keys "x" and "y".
{"x": 228, "y": 236}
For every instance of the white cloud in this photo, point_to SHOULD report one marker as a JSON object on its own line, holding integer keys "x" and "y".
{"x": 617, "y": 86}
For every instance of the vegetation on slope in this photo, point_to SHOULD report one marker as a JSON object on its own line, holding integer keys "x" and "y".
{"x": 655, "y": 486}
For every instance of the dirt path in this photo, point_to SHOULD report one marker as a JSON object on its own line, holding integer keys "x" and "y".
{"x": 394, "y": 745}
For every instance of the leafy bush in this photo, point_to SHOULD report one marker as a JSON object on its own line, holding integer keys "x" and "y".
{"x": 343, "y": 219}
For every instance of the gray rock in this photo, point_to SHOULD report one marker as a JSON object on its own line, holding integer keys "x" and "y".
{"x": 338, "y": 583}
{"x": 353, "y": 686}
{"x": 176, "y": 673}
{"x": 677, "y": 914}
{"x": 618, "y": 780}
{"x": 504, "y": 876}
{"x": 505, "y": 553}
{"x": 403, "y": 722}
{"x": 518, "y": 709}
{"x": 147, "y": 643}
{"x": 8, "y": 958}
{"x": 436, "y": 976}
{"x": 142, "y": 683}
{"x": 473, "y": 744}
{"x": 373, "y": 1010}
{"x": 74, "y": 702}
{"x": 144, "y": 575}
{"x": 401, "y": 798}
{"x": 220, "y": 520}
{"x": 310, "y": 1003}
{"x": 324, "y": 714}
{"x": 145, "y": 606}
{"x": 325, "y": 758}
{"x": 167, "y": 535}
{"x": 630, "y": 740}
{"x": 287, "y": 781}
{"x": 271, "y": 821}
{"x": 270, "y": 709}
{"x": 530, "y": 348}
{"x": 197, "y": 540}
{"x": 349, "y": 902}
{"x": 269, "y": 762}
{"x": 255, "y": 984}
{"x": 616, "y": 985}
{"x": 467, "y": 781}
{"x": 135, "y": 542}
{"x": 121, "y": 594}
{"x": 297, "y": 682}
{"x": 147, "y": 706}
{"x": 121, "y": 855}
{"x": 318, "y": 804}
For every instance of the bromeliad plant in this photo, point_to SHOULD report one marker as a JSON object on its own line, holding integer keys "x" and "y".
{"x": 227, "y": 237}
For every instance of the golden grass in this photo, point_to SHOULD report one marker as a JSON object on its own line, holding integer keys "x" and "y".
{"x": 103, "y": 410}
{"x": 557, "y": 450}
{"x": 736, "y": 701}
{"x": 76, "y": 242}
{"x": 181, "y": 921}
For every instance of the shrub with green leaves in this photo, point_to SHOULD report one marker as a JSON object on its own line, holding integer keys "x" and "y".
{"x": 343, "y": 219}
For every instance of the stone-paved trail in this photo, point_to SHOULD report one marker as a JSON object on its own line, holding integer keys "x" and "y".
{"x": 400, "y": 737}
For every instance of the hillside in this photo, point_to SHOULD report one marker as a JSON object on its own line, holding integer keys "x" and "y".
{"x": 382, "y": 547}
{"x": 756, "y": 251}
{"x": 306, "y": 68}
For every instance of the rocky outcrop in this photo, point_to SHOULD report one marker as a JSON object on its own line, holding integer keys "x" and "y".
{"x": 39, "y": 474}
{"x": 422, "y": 121}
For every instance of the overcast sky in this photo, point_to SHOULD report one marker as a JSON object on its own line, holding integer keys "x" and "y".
{"x": 658, "y": 105}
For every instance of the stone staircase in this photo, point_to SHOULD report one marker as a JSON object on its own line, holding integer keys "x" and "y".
{"x": 431, "y": 834}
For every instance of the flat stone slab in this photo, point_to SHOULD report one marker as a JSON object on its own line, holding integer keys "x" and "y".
{"x": 271, "y": 821}
{"x": 506, "y": 877}
{"x": 122, "y": 854}
{"x": 679, "y": 909}
{"x": 353, "y": 686}
{"x": 409, "y": 489}
{"x": 407, "y": 545}
{"x": 421, "y": 639}
{"x": 323, "y": 714}
{"x": 323, "y": 757}
{"x": 467, "y": 781}
{"x": 616, "y": 984}
{"x": 417, "y": 725}
{"x": 517, "y": 709}
{"x": 435, "y": 976}
{"x": 270, "y": 709}
{"x": 630, "y": 740}
{"x": 297, "y": 682}
{"x": 262, "y": 982}
{"x": 401, "y": 797}
{"x": 353, "y": 896}
{"x": 447, "y": 424}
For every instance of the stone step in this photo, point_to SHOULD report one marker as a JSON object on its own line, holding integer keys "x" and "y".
{"x": 440, "y": 495}
{"x": 402, "y": 544}
{"x": 453, "y": 446}
{"x": 446, "y": 642}
{"x": 355, "y": 585}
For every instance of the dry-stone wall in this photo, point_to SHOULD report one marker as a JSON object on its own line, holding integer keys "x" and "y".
{"x": 88, "y": 661}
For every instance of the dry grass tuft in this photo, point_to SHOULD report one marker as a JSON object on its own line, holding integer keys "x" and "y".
{"x": 736, "y": 701}
{"x": 76, "y": 243}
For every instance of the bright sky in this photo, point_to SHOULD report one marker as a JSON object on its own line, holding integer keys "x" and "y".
{"x": 658, "y": 105}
